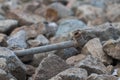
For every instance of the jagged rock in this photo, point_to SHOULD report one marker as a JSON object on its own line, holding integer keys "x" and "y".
{"x": 3, "y": 40}
{"x": 75, "y": 59}
{"x": 95, "y": 48}
{"x": 101, "y": 77}
{"x": 49, "y": 67}
{"x": 92, "y": 65}
{"x": 18, "y": 40}
{"x": 71, "y": 74}
{"x": 56, "y": 11}
{"x": 112, "y": 48}
{"x": 7, "y": 25}
{"x": 69, "y": 25}
{"x": 91, "y": 15}
{"x": 10, "y": 63}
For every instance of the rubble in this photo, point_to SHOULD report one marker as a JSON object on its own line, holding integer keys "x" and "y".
{"x": 59, "y": 39}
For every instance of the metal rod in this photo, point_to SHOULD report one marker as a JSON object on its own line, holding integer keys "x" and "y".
{"x": 46, "y": 48}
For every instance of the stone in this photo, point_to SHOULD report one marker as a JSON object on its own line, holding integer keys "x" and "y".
{"x": 10, "y": 63}
{"x": 71, "y": 74}
{"x": 6, "y": 76}
{"x": 32, "y": 31}
{"x": 56, "y": 11}
{"x": 43, "y": 40}
{"x": 66, "y": 53}
{"x": 95, "y": 48}
{"x": 69, "y": 25}
{"x": 24, "y": 18}
{"x": 112, "y": 48}
{"x": 34, "y": 43}
{"x": 92, "y": 65}
{"x": 101, "y": 77}
{"x": 30, "y": 70}
{"x": 91, "y": 15}
{"x": 7, "y": 25}
{"x": 37, "y": 58}
{"x": 18, "y": 40}
{"x": 49, "y": 67}
{"x": 113, "y": 16}
{"x": 75, "y": 59}
{"x": 3, "y": 40}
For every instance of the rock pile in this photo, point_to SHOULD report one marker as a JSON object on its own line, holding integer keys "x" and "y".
{"x": 93, "y": 25}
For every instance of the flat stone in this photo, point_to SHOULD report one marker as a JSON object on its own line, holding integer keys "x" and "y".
{"x": 92, "y": 65}
{"x": 71, "y": 74}
{"x": 49, "y": 67}
{"x": 95, "y": 48}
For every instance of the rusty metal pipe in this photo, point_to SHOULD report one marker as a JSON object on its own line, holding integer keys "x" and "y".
{"x": 46, "y": 48}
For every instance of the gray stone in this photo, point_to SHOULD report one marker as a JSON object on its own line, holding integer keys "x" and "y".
{"x": 71, "y": 74}
{"x": 92, "y": 65}
{"x": 101, "y": 77}
{"x": 112, "y": 48}
{"x": 6, "y": 25}
{"x": 68, "y": 25}
{"x": 49, "y": 67}
{"x": 18, "y": 40}
{"x": 10, "y": 63}
{"x": 43, "y": 40}
{"x": 95, "y": 48}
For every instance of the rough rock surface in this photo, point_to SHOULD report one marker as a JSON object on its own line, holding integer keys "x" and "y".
{"x": 71, "y": 74}
{"x": 94, "y": 47}
{"x": 49, "y": 67}
{"x": 92, "y": 65}
{"x": 112, "y": 48}
{"x": 10, "y": 63}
